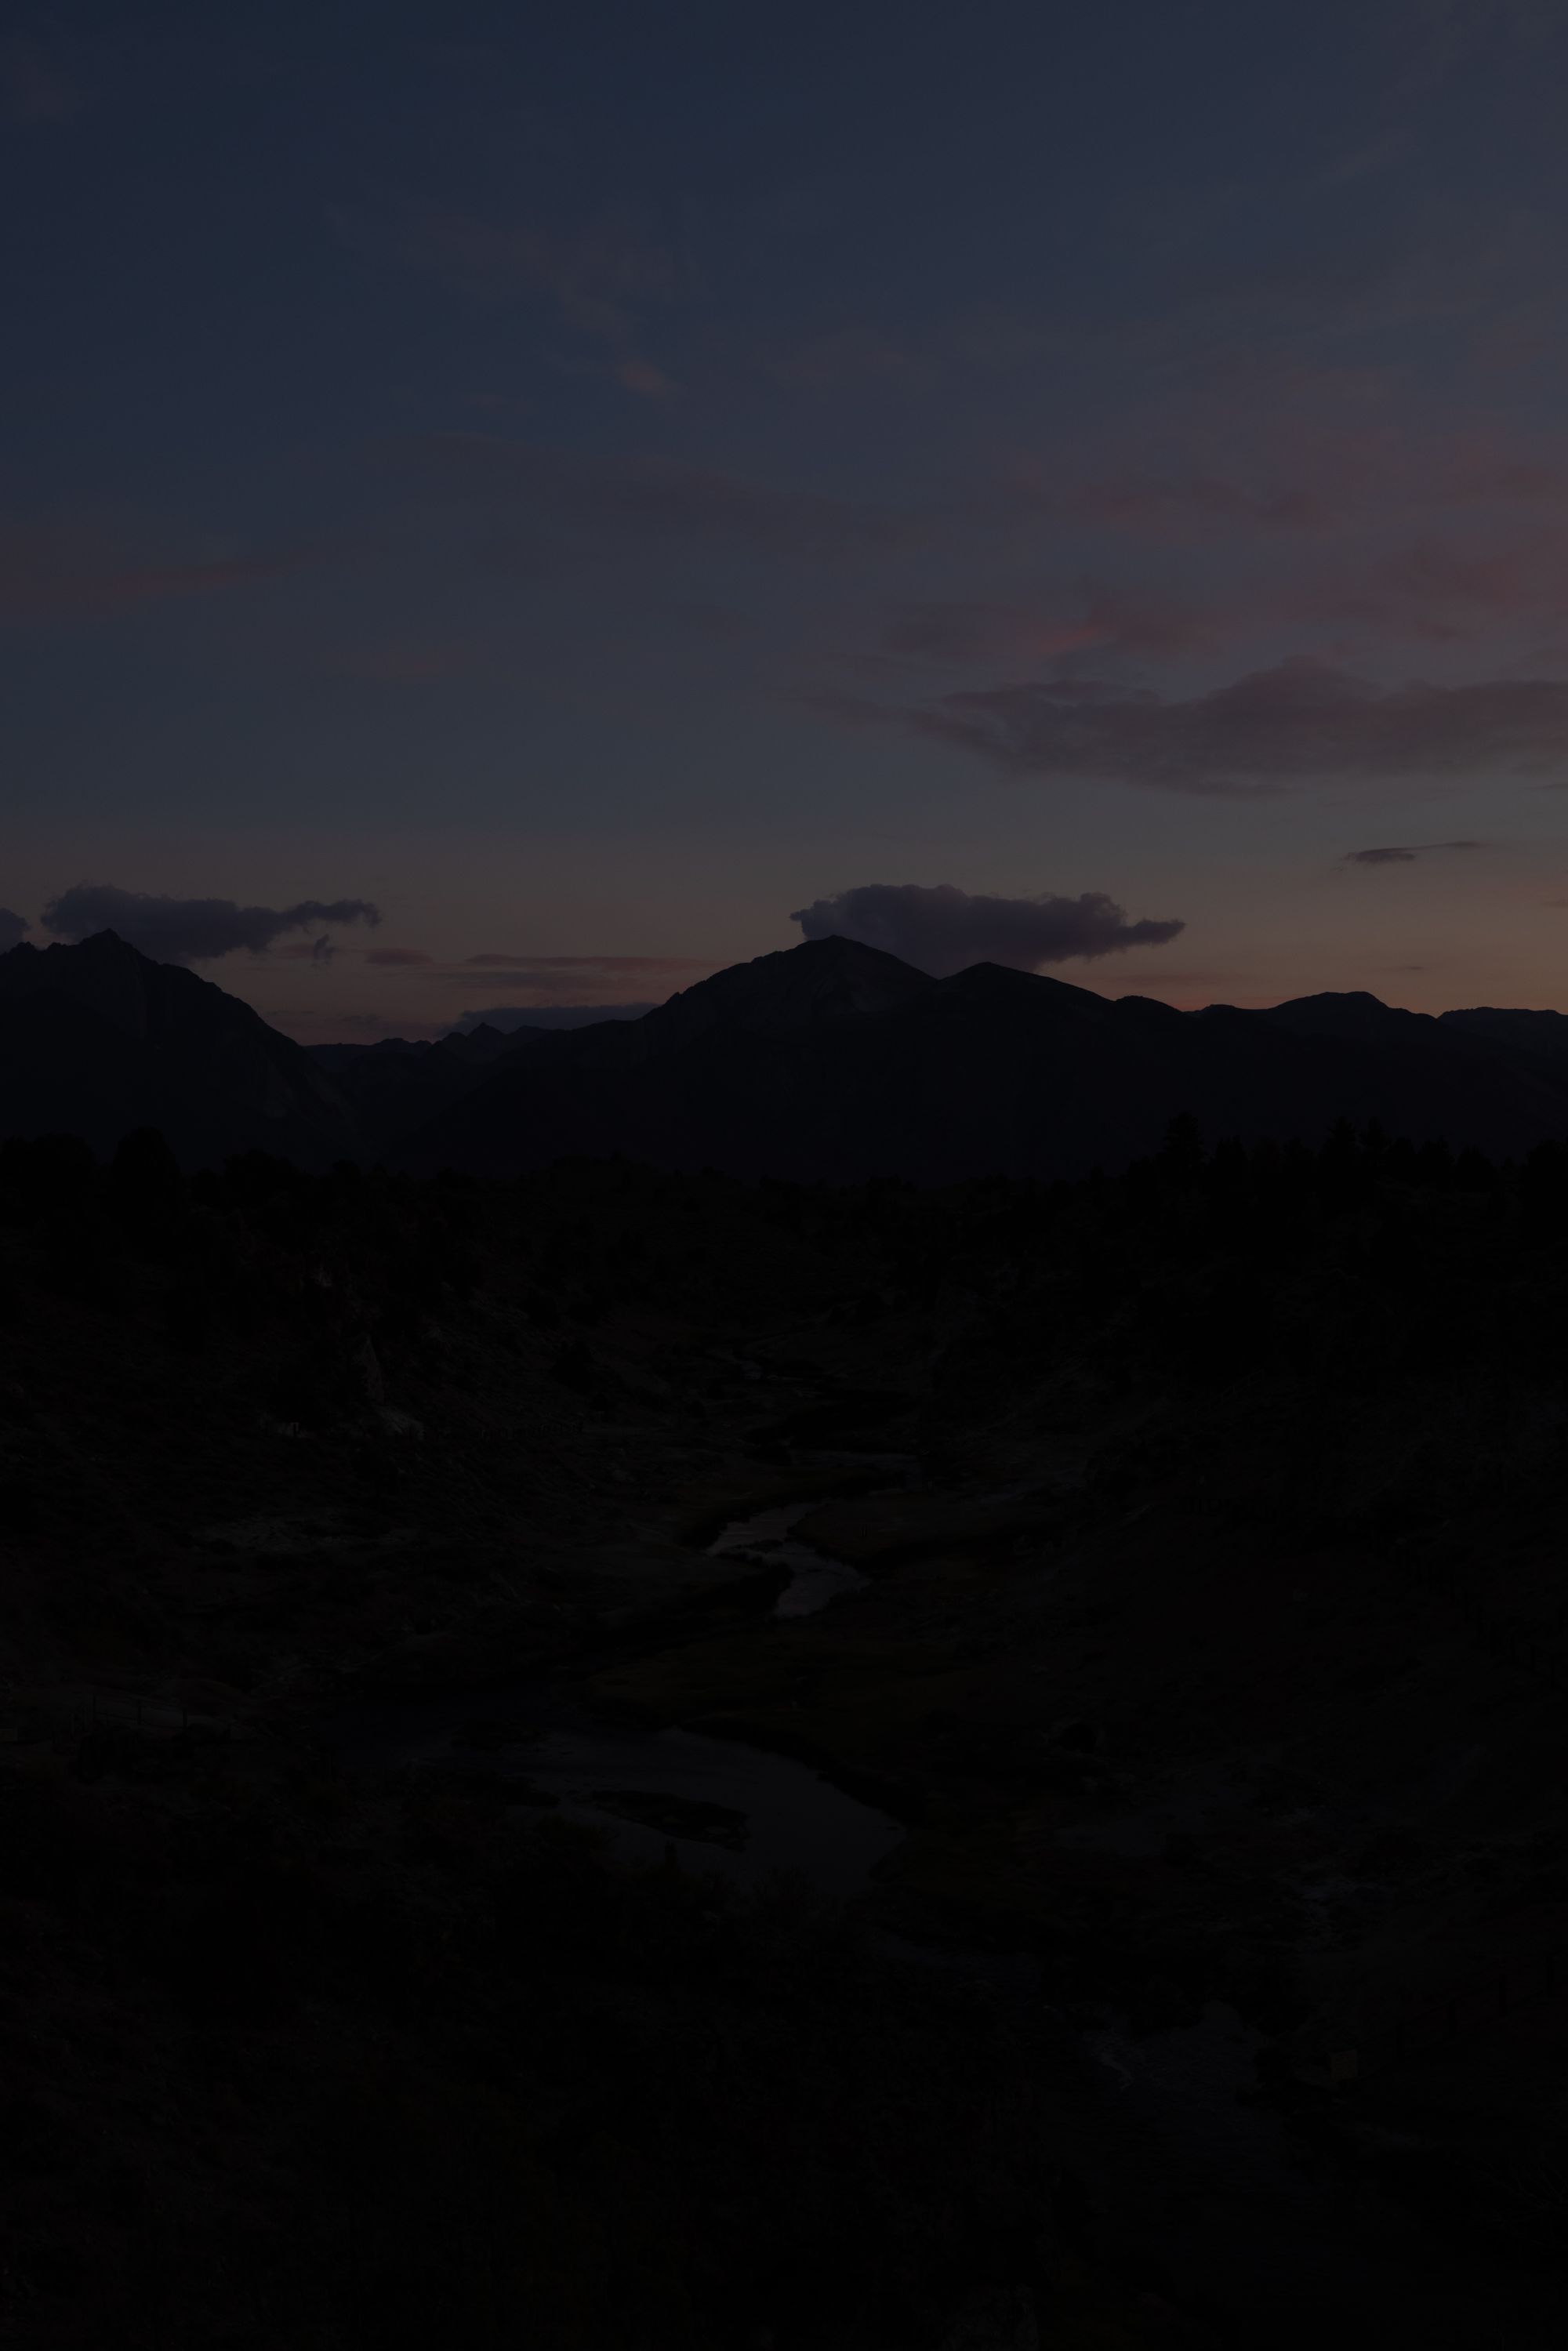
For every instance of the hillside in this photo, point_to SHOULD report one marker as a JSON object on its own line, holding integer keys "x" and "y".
{"x": 829, "y": 1062}
{"x": 823, "y": 1063}
{"x": 98, "y": 1040}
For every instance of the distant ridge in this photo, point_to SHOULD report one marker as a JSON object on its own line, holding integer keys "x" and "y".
{"x": 799, "y": 988}
{"x": 833, "y": 1060}
{"x": 399, "y": 1082}
{"x": 827, "y": 1062}
{"x": 1542, "y": 1033}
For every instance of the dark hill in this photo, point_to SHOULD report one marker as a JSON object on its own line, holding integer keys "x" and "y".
{"x": 397, "y": 1084}
{"x": 820, "y": 982}
{"x": 830, "y": 1061}
{"x": 96, "y": 1038}
{"x": 834, "y": 1062}
{"x": 1543, "y": 1034}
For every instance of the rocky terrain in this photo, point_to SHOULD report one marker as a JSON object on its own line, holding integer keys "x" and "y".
{"x": 1207, "y": 1672}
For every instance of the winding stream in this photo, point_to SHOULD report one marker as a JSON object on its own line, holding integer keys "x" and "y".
{"x": 815, "y": 1578}
{"x": 720, "y": 1804}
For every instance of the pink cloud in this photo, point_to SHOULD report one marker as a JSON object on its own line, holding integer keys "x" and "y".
{"x": 63, "y": 570}
{"x": 1278, "y": 466}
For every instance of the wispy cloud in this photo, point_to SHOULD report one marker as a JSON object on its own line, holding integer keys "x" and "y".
{"x": 854, "y": 358}
{"x": 1443, "y": 36}
{"x": 575, "y": 979}
{"x": 1094, "y": 620}
{"x": 1300, "y": 723}
{"x": 591, "y": 270}
{"x": 591, "y": 963}
{"x": 1367, "y": 159}
{"x": 1302, "y": 456}
{"x": 51, "y": 570}
{"x": 548, "y": 1016}
{"x": 599, "y": 275}
{"x": 652, "y": 497}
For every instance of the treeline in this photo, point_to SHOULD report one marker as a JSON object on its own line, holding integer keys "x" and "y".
{"x": 1235, "y": 1255}
{"x": 231, "y": 1250}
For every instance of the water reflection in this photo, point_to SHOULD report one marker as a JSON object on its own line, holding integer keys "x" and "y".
{"x": 815, "y": 1579}
{"x": 721, "y": 1804}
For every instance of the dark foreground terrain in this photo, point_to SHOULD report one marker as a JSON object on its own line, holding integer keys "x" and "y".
{"x": 1211, "y": 1657}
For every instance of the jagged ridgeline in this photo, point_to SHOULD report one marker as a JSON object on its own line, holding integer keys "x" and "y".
{"x": 829, "y": 1062}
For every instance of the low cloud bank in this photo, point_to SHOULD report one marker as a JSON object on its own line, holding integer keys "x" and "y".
{"x": 13, "y": 929}
{"x": 191, "y": 930}
{"x": 1300, "y": 723}
{"x": 546, "y": 1016}
{"x": 944, "y": 930}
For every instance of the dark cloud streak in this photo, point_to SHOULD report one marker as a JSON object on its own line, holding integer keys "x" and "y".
{"x": 546, "y": 1016}
{"x": 1405, "y": 854}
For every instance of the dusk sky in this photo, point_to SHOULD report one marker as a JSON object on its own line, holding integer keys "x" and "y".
{"x": 591, "y": 485}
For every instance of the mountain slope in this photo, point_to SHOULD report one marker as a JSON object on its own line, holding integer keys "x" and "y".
{"x": 394, "y": 1086}
{"x": 1541, "y": 1035}
{"x": 802, "y": 987}
{"x": 830, "y": 1061}
{"x": 994, "y": 1071}
{"x": 96, "y": 1038}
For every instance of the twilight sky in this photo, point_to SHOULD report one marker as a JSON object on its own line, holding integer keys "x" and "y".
{"x": 587, "y": 485}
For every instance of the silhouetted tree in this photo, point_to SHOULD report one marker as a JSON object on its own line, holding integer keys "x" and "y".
{"x": 145, "y": 1186}
{"x": 1181, "y": 1155}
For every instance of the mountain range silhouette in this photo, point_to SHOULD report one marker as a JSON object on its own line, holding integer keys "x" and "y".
{"x": 826, "y": 1062}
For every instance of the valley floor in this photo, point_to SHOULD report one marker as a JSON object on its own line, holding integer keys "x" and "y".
{"x": 1204, "y": 1977}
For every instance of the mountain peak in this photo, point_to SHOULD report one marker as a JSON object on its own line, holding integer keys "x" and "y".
{"x": 1354, "y": 1012}
{"x": 796, "y": 988}
{"x": 95, "y": 1039}
{"x": 1004, "y": 983}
